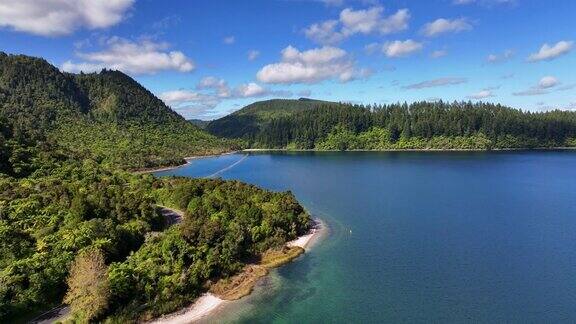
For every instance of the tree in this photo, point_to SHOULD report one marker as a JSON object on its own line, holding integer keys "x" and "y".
{"x": 88, "y": 289}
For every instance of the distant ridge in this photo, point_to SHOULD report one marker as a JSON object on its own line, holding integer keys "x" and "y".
{"x": 248, "y": 121}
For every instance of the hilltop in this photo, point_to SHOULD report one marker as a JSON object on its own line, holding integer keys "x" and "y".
{"x": 106, "y": 115}
{"x": 250, "y": 120}
{"x": 321, "y": 125}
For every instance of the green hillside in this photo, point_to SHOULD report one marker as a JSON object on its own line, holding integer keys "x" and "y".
{"x": 105, "y": 115}
{"x": 421, "y": 125}
{"x": 77, "y": 229}
{"x": 249, "y": 121}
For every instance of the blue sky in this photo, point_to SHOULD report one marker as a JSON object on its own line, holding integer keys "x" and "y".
{"x": 208, "y": 58}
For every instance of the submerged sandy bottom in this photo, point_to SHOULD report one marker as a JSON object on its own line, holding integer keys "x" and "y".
{"x": 208, "y": 303}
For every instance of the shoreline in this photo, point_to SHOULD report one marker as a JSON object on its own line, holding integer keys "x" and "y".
{"x": 208, "y": 303}
{"x": 187, "y": 159}
{"x": 251, "y": 150}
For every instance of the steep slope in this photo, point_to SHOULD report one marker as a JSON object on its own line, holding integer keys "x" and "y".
{"x": 106, "y": 115}
{"x": 75, "y": 229}
{"x": 248, "y": 121}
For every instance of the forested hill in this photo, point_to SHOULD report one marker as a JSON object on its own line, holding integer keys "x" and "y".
{"x": 105, "y": 115}
{"x": 249, "y": 121}
{"x": 421, "y": 125}
{"x": 76, "y": 229}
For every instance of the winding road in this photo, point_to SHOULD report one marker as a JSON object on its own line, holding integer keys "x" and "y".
{"x": 172, "y": 216}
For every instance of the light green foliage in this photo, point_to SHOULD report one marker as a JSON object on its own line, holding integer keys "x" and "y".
{"x": 88, "y": 289}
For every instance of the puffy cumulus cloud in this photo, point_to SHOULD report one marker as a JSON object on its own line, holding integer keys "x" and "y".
{"x": 544, "y": 85}
{"x": 251, "y": 90}
{"x": 549, "y": 52}
{"x": 484, "y": 94}
{"x": 443, "y": 25}
{"x": 210, "y": 92}
{"x": 253, "y": 54}
{"x": 143, "y": 57}
{"x": 61, "y": 17}
{"x": 311, "y": 66}
{"x": 325, "y": 32}
{"x": 401, "y": 48}
{"x": 498, "y": 58}
{"x": 351, "y": 22}
{"x": 436, "y": 83}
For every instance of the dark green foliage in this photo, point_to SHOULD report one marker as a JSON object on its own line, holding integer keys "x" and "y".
{"x": 106, "y": 115}
{"x": 48, "y": 220}
{"x": 422, "y": 125}
{"x": 227, "y": 223}
{"x": 248, "y": 121}
{"x": 63, "y": 139}
{"x": 199, "y": 122}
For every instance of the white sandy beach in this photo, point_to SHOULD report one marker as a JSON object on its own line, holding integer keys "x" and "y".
{"x": 208, "y": 303}
{"x": 305, "y": 241}
{"x": 203, "y": 306}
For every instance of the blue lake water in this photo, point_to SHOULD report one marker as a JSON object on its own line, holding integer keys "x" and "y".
{"x": 419, "y": 237}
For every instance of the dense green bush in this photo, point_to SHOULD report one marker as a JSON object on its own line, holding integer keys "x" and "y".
{"x": 438, "y": 125}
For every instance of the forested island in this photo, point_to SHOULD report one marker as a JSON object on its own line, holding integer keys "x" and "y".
{"x": 77, "y": 227}
{"x": 321, "y": 125}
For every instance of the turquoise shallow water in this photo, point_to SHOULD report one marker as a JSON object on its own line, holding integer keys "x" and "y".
{"x": 419, "y": 237}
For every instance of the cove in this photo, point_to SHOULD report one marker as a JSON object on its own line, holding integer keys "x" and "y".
{"x": 418, "y": 236}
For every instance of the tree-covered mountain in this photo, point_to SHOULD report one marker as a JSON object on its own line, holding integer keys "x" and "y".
{"x": 107, "y": 115}
{"x": 421, "y": 125}
{"x": 75, "y": 228}
{"x": 250, "y": 120}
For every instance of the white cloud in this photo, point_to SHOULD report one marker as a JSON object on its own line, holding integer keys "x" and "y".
{"x": 311, "y": 66}
{"x": 219, "y": 85}
{"x": 443, "y": 25}
{"x": 210, "y": 92}
{"x": 229, "y": 40}
{"x": 531, "y": 92}
{"x": 436, "y": 83}
{"x": 497, "y": 58}
{"x": 543, "y": 87}
{"x": 548, "y": 52}
{"x": 251, "y": 90}
{"x": 61, "y": 17}
{"x": 325, "y": 32}
{"x": 351, "y": 22}
{"x": 548, "y": 82}
{"x": 143, "y": 57}
{"x": 253, "y": 54}
{"x": 401, "y": 48}
{"x": 439, "y": 53}
{"x": 176, "y": 97}
{"x": 481, "y": 95}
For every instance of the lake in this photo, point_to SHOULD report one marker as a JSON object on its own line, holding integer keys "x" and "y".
{"x": 419, "y": 236}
